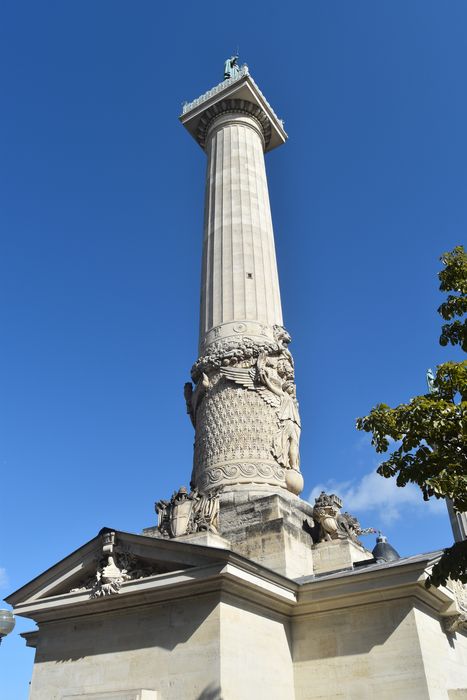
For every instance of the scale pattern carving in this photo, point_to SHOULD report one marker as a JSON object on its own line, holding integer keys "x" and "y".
{"x": 233, "y": 425}
{"x": 245, "y": 413}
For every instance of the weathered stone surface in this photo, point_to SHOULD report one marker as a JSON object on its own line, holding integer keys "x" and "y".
{"x": 206, "y": 539}
{"x": 271, "y": 529}
{"x": 336, "y": 555}
{"x": 234, "y": 437}
{"x": 159, "y": 647}
{"x": 367, "y": 652}
{"x": 186, "y": 513}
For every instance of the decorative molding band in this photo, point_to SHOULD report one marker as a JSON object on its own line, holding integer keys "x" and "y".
{"x": 233, "y": 106}
{"x": 242, "y": 73}
{"x": 188, "y": 106}
{"x": 242, "y": 473}
{"x": 233, "y": 350}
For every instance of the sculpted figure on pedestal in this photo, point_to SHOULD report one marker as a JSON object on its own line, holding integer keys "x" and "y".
{"x": 265, "y": 378}
{"x": 186, "y": 513}
{"x": 194, "y": 397}
{"x": 325, "y": 512}
{"x": 286, "y": 442}
{"x": 231, "y": 68}
{"x": 257, "y": 378}
{"x": 333, "y": 524}
{"x": 430, "y": 380}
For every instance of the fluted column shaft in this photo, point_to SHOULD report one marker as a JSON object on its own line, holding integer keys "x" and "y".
{"x": 240, "y": 285}
{"x": 243, "y": 403}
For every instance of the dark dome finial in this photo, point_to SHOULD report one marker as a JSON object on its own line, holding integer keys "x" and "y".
{"x": 384, "y": 551}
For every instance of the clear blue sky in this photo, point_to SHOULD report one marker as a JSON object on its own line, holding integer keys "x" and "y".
{"x": 101, "y": 196}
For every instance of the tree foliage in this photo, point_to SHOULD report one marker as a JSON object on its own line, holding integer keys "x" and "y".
{"x": 454, "y": 279}
{"x": 428, "y": 435}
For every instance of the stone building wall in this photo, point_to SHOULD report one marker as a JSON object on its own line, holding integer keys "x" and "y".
{"x": 172, "y": 648}
{"x": 444, "y": 657}
{"x": 360, "y": 653}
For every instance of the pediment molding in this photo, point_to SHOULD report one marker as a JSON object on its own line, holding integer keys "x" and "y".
{"x": 118, "y": 570}
{"x": 103, "y": 564}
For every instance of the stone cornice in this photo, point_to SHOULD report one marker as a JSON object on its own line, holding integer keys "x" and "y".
{"x": 199, "y": 570}
{"x": 194, "y": 570}
{"x": 207, "y": 123}
{"x": 188, "y": 106}
{"x": 191, "y": 583}
{"x": 364, "y": 587}
{"x": 241, "y": 94}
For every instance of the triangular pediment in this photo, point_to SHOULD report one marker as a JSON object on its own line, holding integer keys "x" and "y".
{"x": 108, "y": 564}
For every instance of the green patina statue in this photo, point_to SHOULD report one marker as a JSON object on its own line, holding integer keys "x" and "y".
{"x": 231, "y": 68}
{"x": 430, "y": 380}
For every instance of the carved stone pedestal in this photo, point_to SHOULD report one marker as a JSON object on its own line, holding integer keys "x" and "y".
{"x": 337, "y": 555}
{"x": 206, "y": 539}
{"x": 270, "y": 529}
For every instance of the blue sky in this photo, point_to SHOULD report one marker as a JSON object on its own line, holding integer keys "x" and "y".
{"x": 101, "y": 196}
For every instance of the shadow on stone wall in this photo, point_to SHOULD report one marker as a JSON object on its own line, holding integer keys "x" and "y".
{"x": 211, "y": 692}
{"x": 163, "y": 626}
{"x": 354, "y": 631}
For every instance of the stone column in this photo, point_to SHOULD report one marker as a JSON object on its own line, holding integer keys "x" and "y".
{"x": 239, "y": 285}
{"x": 243, "y": 404}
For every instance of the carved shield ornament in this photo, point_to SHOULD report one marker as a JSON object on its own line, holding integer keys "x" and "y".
{"x": 180, "y": 517}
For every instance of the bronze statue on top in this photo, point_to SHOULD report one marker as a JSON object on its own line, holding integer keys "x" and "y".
{"x": 231, "y": 68}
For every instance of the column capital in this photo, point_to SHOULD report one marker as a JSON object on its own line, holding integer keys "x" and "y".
{"x": 240, "y": 95}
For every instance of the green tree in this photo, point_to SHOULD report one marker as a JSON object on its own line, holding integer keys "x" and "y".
{"x": 428, "y": 435}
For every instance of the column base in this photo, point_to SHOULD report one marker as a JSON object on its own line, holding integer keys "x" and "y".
{"x": 271, "y": 529}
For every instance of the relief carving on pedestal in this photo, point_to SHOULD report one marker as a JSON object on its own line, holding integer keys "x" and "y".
{"x": 232, "y": 351}
{"x": 267, "y": 379}
{"x": 187, "y": 513}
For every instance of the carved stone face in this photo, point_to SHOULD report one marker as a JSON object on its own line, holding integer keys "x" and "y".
{"x": 281, "y": 336}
